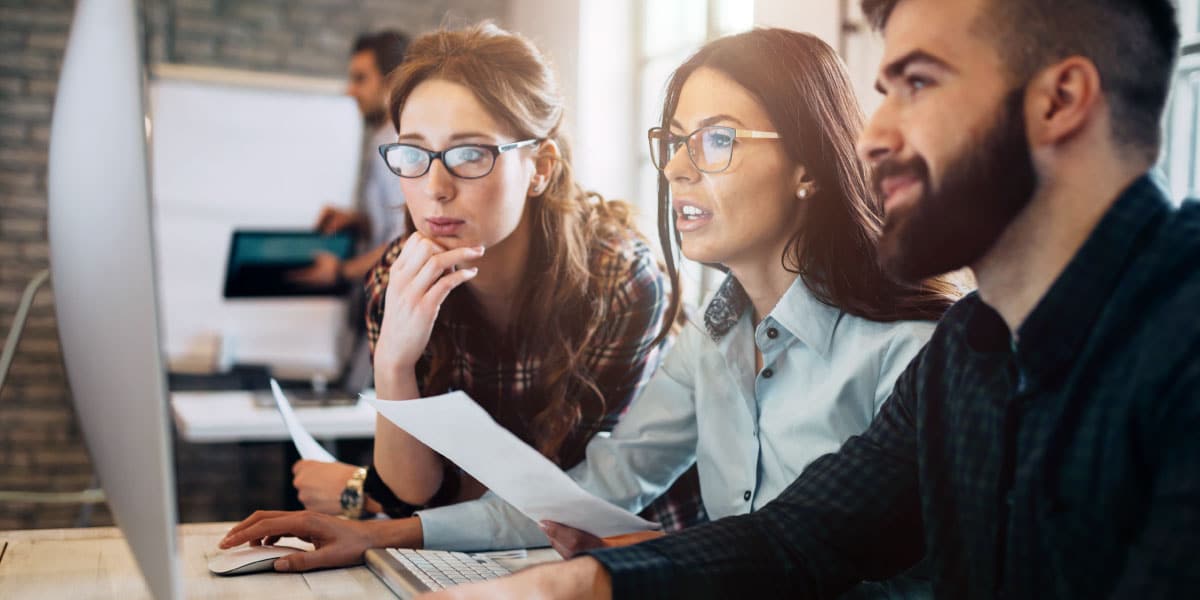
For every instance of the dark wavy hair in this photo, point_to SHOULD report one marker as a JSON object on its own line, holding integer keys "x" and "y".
{"x": 807, "y": 94}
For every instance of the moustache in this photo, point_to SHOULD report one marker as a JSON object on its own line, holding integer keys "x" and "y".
{"x": 892, "y": 167}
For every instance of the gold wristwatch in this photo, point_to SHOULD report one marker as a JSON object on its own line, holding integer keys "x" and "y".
{"x": 352, "y": 499}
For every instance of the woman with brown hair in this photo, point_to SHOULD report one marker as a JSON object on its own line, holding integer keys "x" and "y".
{"x": 536, "y": 298}
{"x": 802, "y": 343}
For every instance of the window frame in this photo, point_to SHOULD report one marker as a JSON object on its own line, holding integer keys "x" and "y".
{"x": 1179, "y": 163}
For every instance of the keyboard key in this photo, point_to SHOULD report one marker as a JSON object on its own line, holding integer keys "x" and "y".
{"x": 439, "y": 569}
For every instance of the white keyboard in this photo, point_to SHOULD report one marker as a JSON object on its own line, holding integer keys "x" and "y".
{"x": 438, "y": 569}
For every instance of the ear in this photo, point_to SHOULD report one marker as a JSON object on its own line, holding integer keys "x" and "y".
{"x": 1062, "y": 100}
{"x": 545, "y": 162}
{"x": 803, "y": 184}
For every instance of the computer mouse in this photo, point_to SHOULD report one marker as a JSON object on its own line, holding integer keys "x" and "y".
{"x": 247, "y": 559}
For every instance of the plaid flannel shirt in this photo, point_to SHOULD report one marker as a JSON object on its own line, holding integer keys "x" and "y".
{"x": 1063, "y": 463}
{"x": 503, "y": 377}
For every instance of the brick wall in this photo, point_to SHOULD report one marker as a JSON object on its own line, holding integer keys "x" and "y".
{"x": 40, "y": 444}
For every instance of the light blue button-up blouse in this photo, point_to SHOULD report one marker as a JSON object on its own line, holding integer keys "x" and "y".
{"x": 825, "y": 374}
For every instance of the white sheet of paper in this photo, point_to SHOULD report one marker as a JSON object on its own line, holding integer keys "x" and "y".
{"x": 459, "y": 429}
{"x": 305, "y": 444}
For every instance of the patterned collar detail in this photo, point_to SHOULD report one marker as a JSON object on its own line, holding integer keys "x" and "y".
{"x": 725, "y": 308}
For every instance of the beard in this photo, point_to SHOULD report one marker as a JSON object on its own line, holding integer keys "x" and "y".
{"x": 953, "y": 224}
{"x": 374, "y": 118}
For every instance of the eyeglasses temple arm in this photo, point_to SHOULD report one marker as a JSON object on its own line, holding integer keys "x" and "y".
{"x": 749, "y": 133}
{"x": 515, "y": 145}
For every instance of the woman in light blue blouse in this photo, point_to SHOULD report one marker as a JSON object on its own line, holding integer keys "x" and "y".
{"x": 800, "y": 346}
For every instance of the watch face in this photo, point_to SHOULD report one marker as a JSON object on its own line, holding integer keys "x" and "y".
{"x": 349, "y": 499}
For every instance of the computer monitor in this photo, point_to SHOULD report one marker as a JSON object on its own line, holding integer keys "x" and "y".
{"x": 102, "y": 264}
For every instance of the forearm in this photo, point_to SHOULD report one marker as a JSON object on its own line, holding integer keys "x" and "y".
{"x": 778, "y": 552}
{"x": 582, "y": 579}
{"x": 488, "y": 523}
{"x": 396, "y": 533}
{"x": 409, "y": 468}
{"x": 726, "y": 558}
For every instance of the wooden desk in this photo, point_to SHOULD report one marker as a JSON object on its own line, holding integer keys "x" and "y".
{"x": 79, "y": 564}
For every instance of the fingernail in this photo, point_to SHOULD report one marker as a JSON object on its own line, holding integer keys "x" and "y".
{"x": 479, "y": 249}
{"x": 473, "y": 271}
{"x": 282, "y": 565}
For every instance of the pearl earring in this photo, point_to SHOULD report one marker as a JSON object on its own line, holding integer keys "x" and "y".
{"x": 802, "y": 193}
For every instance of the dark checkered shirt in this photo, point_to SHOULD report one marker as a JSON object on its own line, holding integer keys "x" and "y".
{"x": 1062, "y": 463}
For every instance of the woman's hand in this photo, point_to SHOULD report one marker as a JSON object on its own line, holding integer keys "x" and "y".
{"x": 325, "y": 271}
{"x": 579, "y": 579}
{"x": 418, "y": 282}
{"x": 319, "y": 484}
{"x": 339, "y": 542}
{"x": 568, "y": 541}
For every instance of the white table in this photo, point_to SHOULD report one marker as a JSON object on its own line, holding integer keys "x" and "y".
{"x": 213, "y": 417}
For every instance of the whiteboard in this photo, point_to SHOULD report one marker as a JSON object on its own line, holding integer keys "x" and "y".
{"x": 231, "y": 150}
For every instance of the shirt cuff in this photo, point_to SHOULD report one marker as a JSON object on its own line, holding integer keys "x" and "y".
{"x": 485, "y": 524}
{"x": 637, "y": 571}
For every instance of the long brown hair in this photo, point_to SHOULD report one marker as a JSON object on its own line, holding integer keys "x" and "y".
{"x": 807, "y": 94}
{"x": 559, "y": 305}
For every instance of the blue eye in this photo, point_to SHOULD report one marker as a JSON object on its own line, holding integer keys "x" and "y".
{"x": 717, "y": 140}
{"x": 916, "y": 83}
{"x": 468, "y": 154}
{"x": 411, "y": 156}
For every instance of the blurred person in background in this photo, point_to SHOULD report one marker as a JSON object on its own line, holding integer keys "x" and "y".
{"x": 378, "y": 215}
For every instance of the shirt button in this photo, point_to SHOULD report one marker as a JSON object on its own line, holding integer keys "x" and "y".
{"x": 768, "y": 373}
{"x": 772, "y": 333}
{"x": 746, "y": 496}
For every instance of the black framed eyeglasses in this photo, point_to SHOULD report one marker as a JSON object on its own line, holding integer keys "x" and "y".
{"x": 709, "y": 148}
{"x": 467, "y": 161}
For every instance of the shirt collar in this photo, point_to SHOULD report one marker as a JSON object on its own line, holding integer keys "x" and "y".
{"x": 799, "y": 312}
{"x": 1055, "y": 332}
{"x": 725, "y": 308}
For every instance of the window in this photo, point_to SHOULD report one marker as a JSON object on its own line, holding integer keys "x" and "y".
{"x": 669, "y": 32}
{"x": 1181, "y": 157}
{"x": 862, "y": 49}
